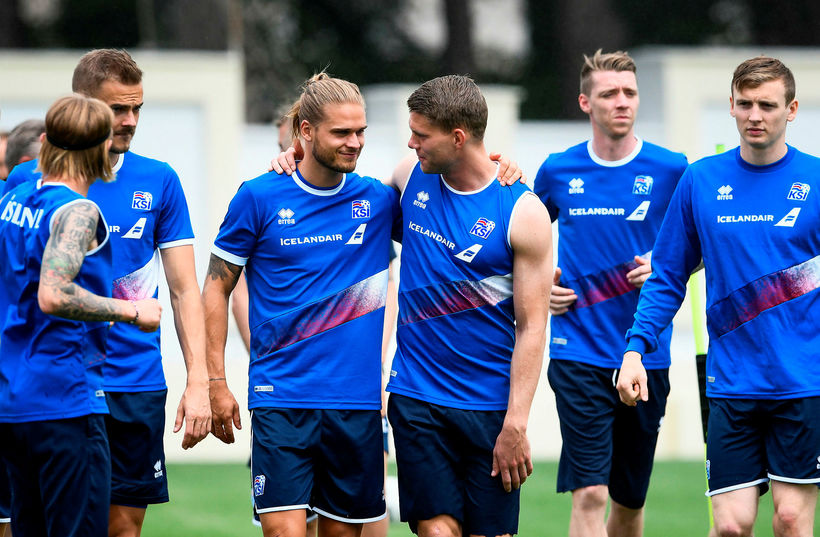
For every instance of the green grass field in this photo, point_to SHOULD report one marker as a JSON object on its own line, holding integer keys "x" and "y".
{"x": 213, "y": 500}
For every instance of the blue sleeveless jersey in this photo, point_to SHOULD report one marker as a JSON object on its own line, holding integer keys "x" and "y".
{"x": 607, "y": 212}
{"x": 50, "y": 368}
{"x": 316, "y": 265}
{"x": 757, "y": 229}
{"x": 456, "y": 327}
{"x": 146, "y": 211}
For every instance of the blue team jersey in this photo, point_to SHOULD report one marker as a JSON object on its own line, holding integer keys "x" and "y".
{"x": 757, "y": 229}
{"x": 316, "y": 265}
{"x": 146, "y": 211}
{"x": 50, "y": 368}
{"x": 456, "y": 326}
{"x": 608, "y": 212}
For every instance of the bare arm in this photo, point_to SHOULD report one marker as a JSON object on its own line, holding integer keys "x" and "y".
{"x": 531, "y": 240}
{"x": 219, "y": 283}
{"x": 239, "y": 308}
{"x": 73, "y": 234}
{"x": 194, "y": 409}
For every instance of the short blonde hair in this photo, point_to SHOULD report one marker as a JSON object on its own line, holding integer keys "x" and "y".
{"x": 77, "y": 128}
{"x": 611, "y": 61}
{"x": 756, "y": 71}
{"x": 319, "y": 90}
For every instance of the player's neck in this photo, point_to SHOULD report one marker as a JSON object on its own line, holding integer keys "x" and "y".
{"x": 472, "y": 170}
{"x": 79, "y": 186}
{"x": 763, "y": 156}
{"x": 318, "y": 174}
{"x": 613, "y": 149}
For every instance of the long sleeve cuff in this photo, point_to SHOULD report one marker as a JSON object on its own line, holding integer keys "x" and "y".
{"x": 637, "y": 344}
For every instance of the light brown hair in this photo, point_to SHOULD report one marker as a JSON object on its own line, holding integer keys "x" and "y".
{"x": 318, "y": 91}
{"x": 77, "y": 128}
{"x": 103, "y": 64}
{"x": 611, "y": 61}
{"x": 450, "y": 102}
{"x": 755, "y": 71}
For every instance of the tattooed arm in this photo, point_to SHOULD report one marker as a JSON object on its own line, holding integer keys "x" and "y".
{"x": 72, "y": 235}
{"x": 219, "y": 283}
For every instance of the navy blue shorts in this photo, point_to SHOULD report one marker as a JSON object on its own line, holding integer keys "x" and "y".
{"x": 5, "y": 494}
{"x": 135, "y": 429}
{"x": 330, "y": 461}
{"x": 753, "y": 440}
{"x": 60, "y": 475}
{"x": 444, "y": 458}
{"x": 606, "y": 442}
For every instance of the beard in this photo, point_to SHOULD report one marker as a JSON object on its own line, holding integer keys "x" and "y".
{"x": 331, "y": 160}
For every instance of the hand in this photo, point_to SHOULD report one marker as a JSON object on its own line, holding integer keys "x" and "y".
{"x": 508, "y": 171}
{"x": 631, "y": 384}
{"x": 639, "y": 275}
{"x": 511, "y": 457}
{"x": 286, "y": 161}
{"x": 149, "y": 314}
{"x": 224, "y": 411}
{"x": 195, "y": 410}
{"x": 561, "y": 298}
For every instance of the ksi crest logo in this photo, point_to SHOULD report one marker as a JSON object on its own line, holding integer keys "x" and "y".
{"x": 142, "y": 200}
{"x": 482, "y": 228}
{"x": 799, "y": 192}
{"x": 643, "y": 185}
{"x": 361, "y": 209}
{"x": 259, "y": 485}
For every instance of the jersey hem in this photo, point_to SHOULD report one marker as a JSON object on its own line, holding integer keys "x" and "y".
{"x": 28, "y": 418}
{"x": 779, "y": 396}
{"x": 460, "y": 405}
{"x": 315, "y": 405}
{"x": 136, "y": 389}
{"x": 608, "y": 365}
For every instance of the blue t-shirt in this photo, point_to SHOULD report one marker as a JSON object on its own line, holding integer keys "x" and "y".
{"x": 146, "y": 211}
{"x": 50, "y": 368}
{"x": 607, "y": 212}
{"x": 456, "y": 326}
{"x": 316, "y": 265}
{"x": 757, "y": 229}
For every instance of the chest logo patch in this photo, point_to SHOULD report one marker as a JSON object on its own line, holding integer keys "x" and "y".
{"x": 799, "y": 192}
{"x": 285, "y": 216}
{"x": 469, "y": 254}
{"x": 482, "y": 228}
{"x": 142, "y": 200}
{"x": 724, "y": 192}
{"x": 421, "y": 200}
{"x": 642, "y": 185}
{"x": 361, "y": 209}
{"x": 576, "y": 185}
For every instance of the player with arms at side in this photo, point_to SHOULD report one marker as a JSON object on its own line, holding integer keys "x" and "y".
{"x": 315, "y": 251}
{"x": 148, "y": 216}
{"x": 56, "y": 307}
{"x": 473, "y": 294}
{"x": 753, "y": 216}
{"x": 609, "y": 195}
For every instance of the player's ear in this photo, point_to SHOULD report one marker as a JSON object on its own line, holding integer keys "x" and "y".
{"x": 583, "y": 103}
{"x": 306, "y": 130}
{"x": 459, "y": 137}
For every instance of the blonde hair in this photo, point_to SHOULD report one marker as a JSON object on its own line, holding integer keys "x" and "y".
{"x": 318, "y": 91}
{"x": 77, "y": 128}
{"x": 756, "y": 71}
{"x": 100, "y": 65}
{"x": 611, "y": 61}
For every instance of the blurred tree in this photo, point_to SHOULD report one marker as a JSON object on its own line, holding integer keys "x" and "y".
{"x": 459, "y": 50}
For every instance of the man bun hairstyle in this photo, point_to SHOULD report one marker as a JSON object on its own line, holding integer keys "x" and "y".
{"x": 318, "y": 91}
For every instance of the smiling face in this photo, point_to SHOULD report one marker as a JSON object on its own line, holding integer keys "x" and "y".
{"x": 126, "y": 102}
{"x": 612, "y": 102}
{"x": 761, "y": 114}
{"x": 337, "y": 140}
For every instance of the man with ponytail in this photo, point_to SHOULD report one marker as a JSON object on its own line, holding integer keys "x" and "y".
{"x": 55, "y": 299}
{"x": 315, "y": 249}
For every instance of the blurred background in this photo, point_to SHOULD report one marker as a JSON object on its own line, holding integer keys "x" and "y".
{"x": 217, "y": 72}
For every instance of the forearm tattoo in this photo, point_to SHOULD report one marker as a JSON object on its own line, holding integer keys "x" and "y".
{"x": 219, "y": 269}
{"x": 74, "y": 232}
